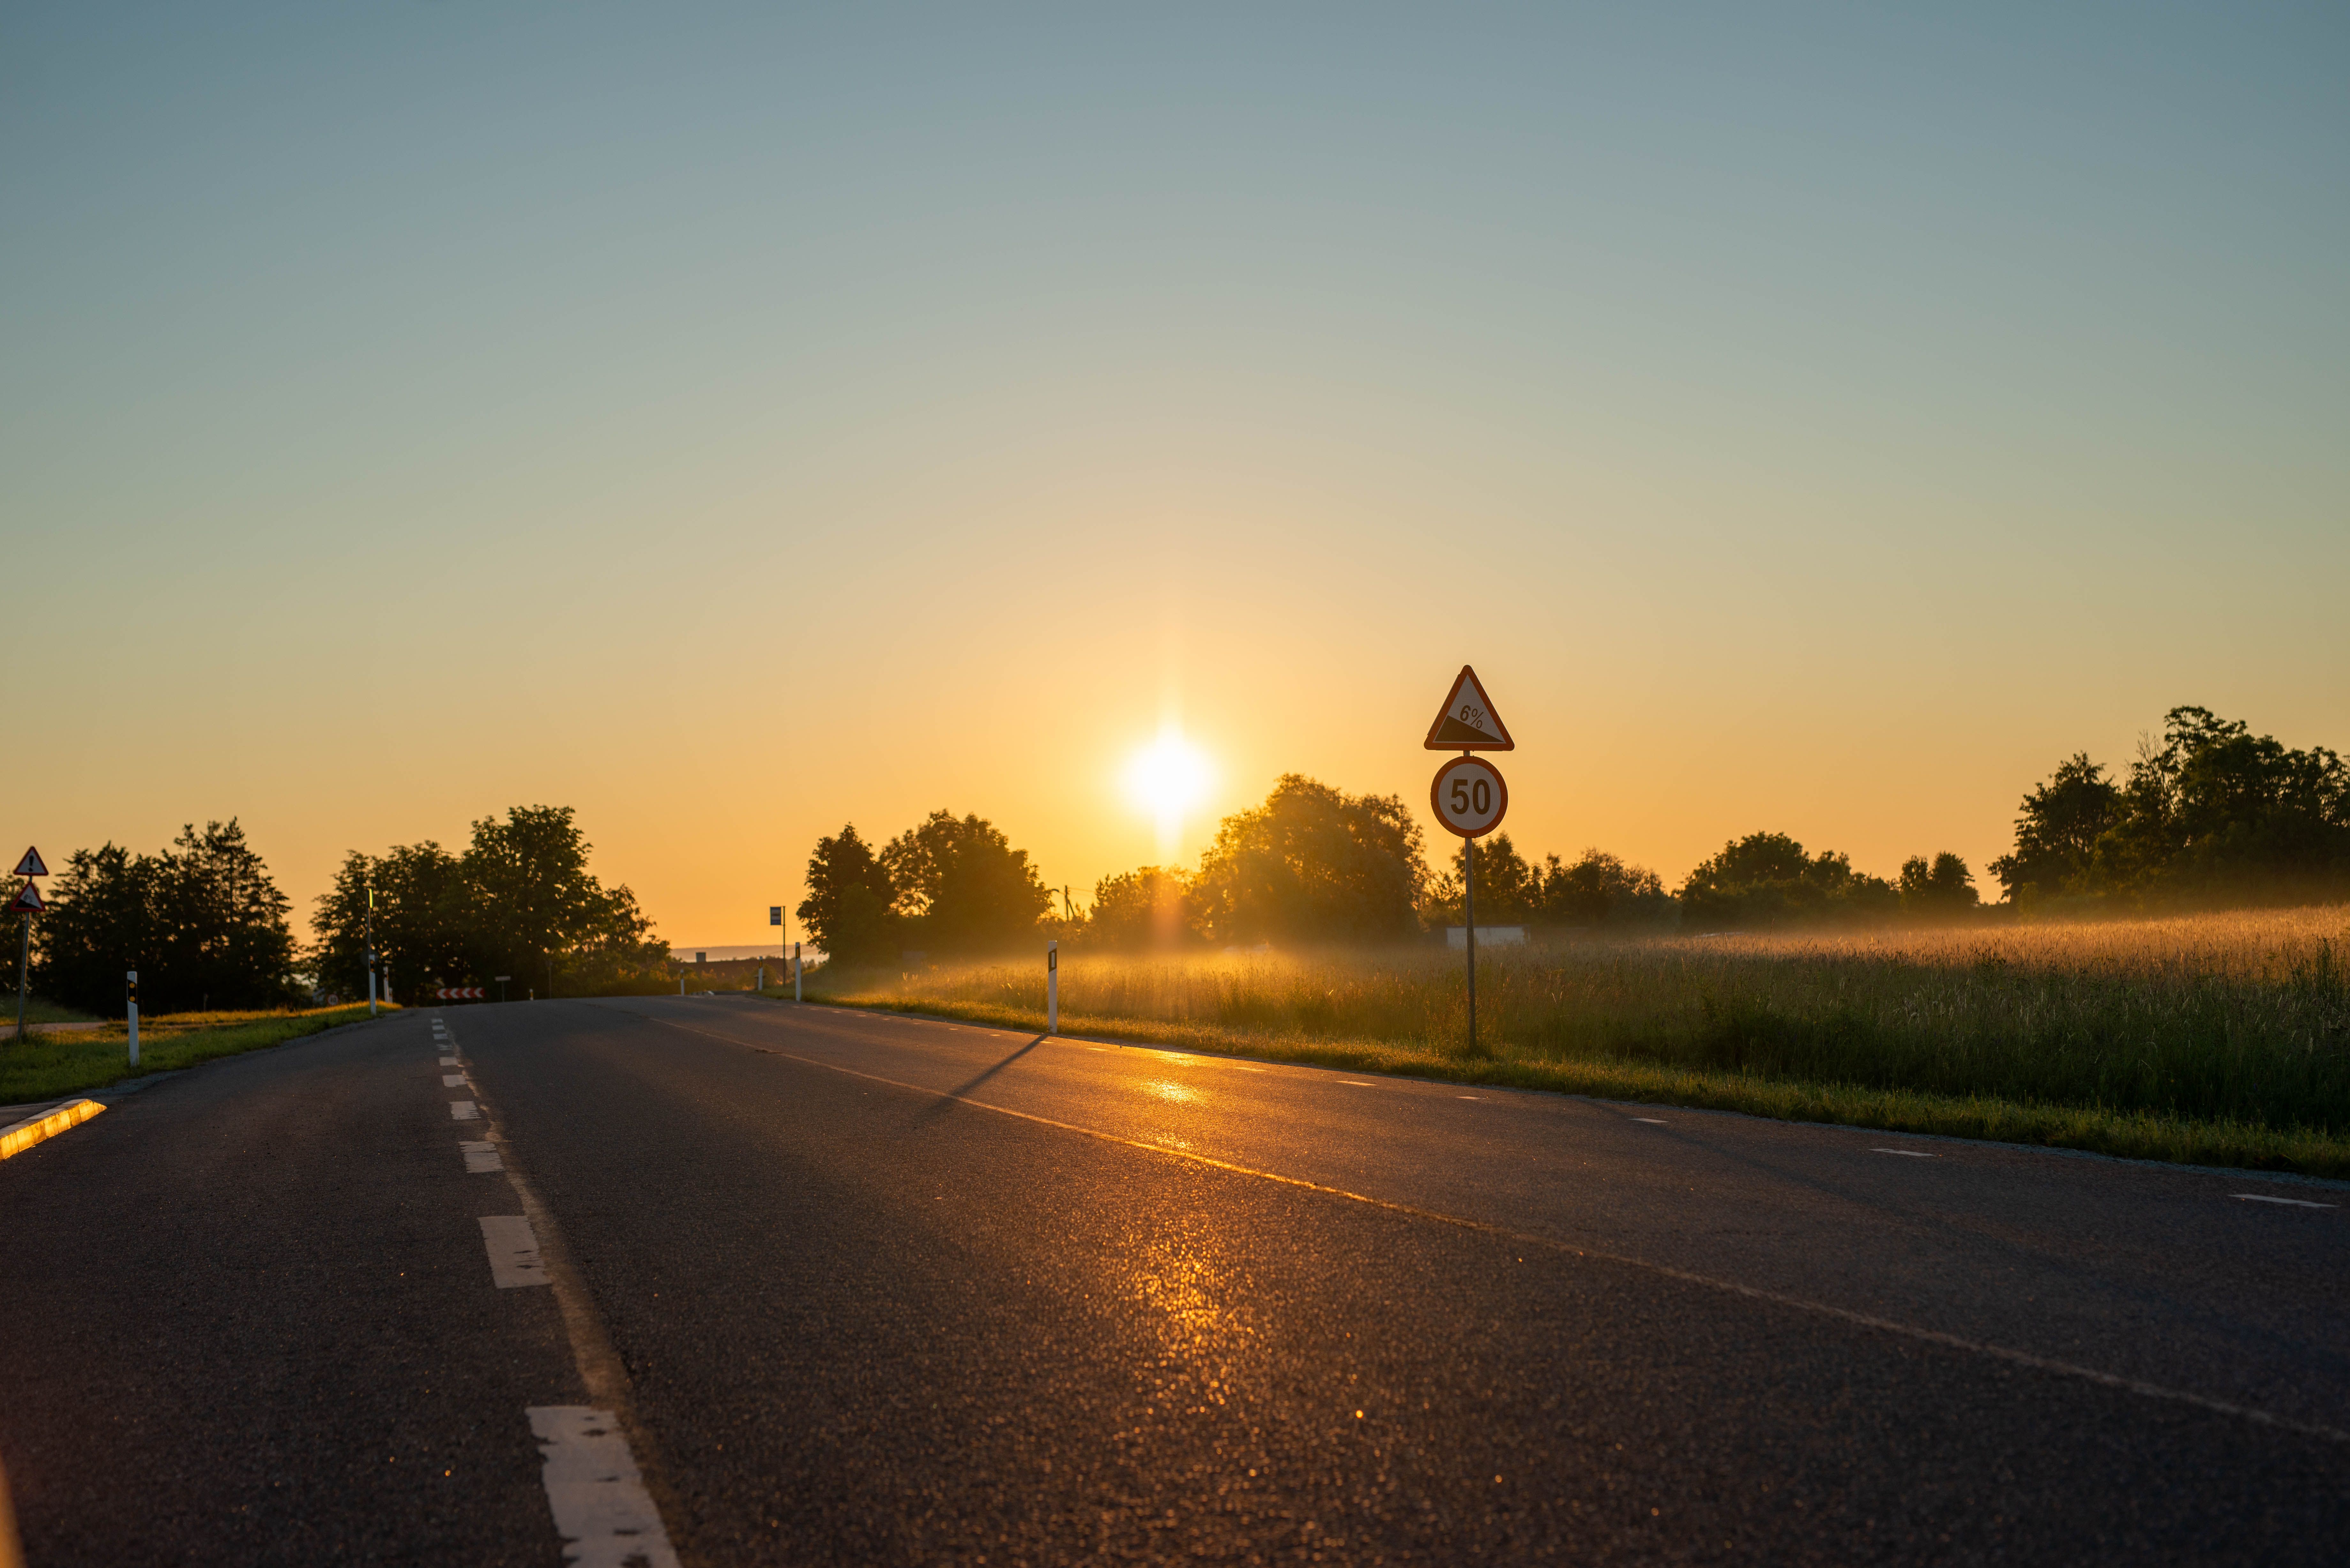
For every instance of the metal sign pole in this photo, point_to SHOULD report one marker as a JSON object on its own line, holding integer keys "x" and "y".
{"x": 1469, "y": 849}
{"x": 24, "y": 974}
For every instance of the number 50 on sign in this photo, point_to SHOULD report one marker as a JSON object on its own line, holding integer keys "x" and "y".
{"x": 1470, "y": 797}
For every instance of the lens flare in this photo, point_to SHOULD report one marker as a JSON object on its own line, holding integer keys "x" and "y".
{"x": 1168, "y": 778}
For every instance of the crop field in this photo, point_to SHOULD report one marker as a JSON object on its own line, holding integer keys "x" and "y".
{"x": 2235, "y": 1023}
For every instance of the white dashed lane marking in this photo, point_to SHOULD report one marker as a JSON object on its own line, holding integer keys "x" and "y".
{"x": 464, "y": 1111}
{"x": 480, "y": 1156}
{"x": 452, "y": 1080}
{"x": 1907, "y": 1153}
{"x": 601, "y": 1509}
{"x": 1356, "y": 1084}
{"x": 2288, "y": 1202}
{"x": 1652, "y": 1121}
{"x": 448, "y": 1061}
{"x": 514, "y": 1251}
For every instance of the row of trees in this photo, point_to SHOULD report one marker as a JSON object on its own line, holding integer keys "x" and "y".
{"x": 518, "y": 900}
{"x": 202, "y": 921}
{"x": 205, "y": 925}
{"x": 2214, "y": 813}
{"x": 1315, "y": 864}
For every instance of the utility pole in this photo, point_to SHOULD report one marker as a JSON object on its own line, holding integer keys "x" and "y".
{"x": 370, "y": 941}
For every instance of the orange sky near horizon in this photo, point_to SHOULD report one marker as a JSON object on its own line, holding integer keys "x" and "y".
{"x": 735, "y": 425}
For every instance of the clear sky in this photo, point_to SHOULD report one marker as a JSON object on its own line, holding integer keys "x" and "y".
{"x": 732, "y": 422}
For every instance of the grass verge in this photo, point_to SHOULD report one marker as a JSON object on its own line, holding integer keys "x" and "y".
{"x": 50, "y": 1067}
{"x": 2126, "y": 1134}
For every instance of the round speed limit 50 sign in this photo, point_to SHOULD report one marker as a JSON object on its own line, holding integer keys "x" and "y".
{"x": 1469, "y": 796}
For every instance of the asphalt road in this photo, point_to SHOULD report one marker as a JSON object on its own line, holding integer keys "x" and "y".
{"x": 817, "y": 1286}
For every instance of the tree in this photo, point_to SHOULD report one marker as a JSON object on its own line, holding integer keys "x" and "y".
{"x": 1313, "y": 864}
{"x": 1600, "y": 890}
{"x": 203, "y": 923}
{"x": 100, "y": 923}
{"x": 2056, "y": 837}
{"x": 1766, "y": 879}
{"x": 425, "y": 932}
{"x": 532, "y": 898}
{"x": 1145, "y": 908}
{"x": 961, "y": 885}
{"x": 519, "y": 901}
{"x": 847, "y": 909}
{"x": 221, "y": 923}
{"x": 2213, "y": 814}
{"x": 1944, "y": 888}
{"x": 1508, "y": 891}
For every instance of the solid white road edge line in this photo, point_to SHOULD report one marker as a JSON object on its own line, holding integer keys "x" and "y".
{"x": 1665, "y": 1270}
{"x": 601, "y": 1509}
{"x": 514, "y": 1251}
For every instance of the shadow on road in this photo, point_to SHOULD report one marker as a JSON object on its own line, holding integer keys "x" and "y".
{"x": 960, "y": 1090}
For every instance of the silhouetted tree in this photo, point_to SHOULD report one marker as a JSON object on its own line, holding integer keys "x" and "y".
{"x": 1313, "y": 864}
{"x": 1508, "y": 891}
{"x": 203, "y": 923}
{"x": 1943, "y": 888}
{"x": 847, "y": 908}
{"x": 1600, "y": 890}
{"x": 1146, "y": 908}
{"x": 519, "y": 901}
{"x": 961, "y": 885}
{"x": 2214, "y": 813}
{"x": 1767, "y": 879}
{"x": 2056, "y": 837}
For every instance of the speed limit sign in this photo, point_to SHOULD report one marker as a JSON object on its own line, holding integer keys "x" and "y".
{"x": 1469, "y": 796}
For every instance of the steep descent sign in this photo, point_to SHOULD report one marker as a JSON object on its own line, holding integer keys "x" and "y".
{"x": 28, "y": 901}
{"x": 1467, "y": 721}
{"x": 30, "y": 865}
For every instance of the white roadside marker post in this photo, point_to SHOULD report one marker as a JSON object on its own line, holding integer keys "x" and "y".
{"x": 795, "y": 971}
{"x": 130, "y": 981}
{"x": 1052, "y": 988}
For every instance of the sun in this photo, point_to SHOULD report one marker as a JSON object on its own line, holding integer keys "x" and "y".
{"x": 1168, "y": 778}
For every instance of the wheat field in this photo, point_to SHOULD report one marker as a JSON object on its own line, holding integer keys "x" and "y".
{"x": 2241, "y": 1016}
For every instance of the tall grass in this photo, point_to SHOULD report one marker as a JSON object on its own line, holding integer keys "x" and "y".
{"x": 2240, "y": 1018}
{"x": 45, "y": 1067}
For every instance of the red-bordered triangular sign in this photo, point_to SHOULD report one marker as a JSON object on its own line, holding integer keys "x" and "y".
{"x": 30, "y": 865}
{"x": 1467, "y": 721}
{"x": 28, "y": 900}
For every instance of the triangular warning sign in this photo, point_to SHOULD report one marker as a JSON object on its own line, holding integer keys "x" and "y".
{"x": 1467, "y": 721}
{"x": 28, "y": 900}
{"x": 30, "y": 865}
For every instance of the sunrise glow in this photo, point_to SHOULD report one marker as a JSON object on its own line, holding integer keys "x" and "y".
{"x": 1168, "y": 778}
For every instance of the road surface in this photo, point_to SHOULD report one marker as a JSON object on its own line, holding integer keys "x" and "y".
{"x": 716, "y": 1280}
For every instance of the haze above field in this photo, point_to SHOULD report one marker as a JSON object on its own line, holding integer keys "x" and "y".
{"x": 733, "y": 426}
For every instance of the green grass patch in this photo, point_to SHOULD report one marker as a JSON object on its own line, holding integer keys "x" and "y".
{"x": 51, "y": 1066}
{"x": 40, "y": 1010}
